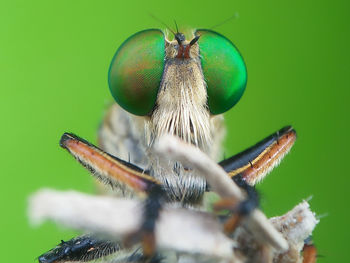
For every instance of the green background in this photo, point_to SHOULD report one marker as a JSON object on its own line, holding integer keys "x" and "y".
{"x": 54, "y": 57}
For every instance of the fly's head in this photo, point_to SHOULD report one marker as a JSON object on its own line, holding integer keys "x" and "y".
{"x": 181, "y": 86}
{"x": 178, "y": 84}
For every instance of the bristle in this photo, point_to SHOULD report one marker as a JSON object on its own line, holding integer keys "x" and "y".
{"x": 269, "y": 158}
{"x": 181, "y": 111}
{"x": 106, "y": 168}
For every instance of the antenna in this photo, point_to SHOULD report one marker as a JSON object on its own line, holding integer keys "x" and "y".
{"x": 234, "y": 16}
{"x": 160, "y": 21}
{"x": 177, "y": 30}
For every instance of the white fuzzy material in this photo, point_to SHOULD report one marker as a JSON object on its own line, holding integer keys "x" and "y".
{"x": 177, "y": 229}
{"x": 297, "y": 224}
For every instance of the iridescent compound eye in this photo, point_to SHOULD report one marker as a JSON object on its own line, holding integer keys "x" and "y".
{"x": 223, "y": 69}
{"x": 136, "y": 71}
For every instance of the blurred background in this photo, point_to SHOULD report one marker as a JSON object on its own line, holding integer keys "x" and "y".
{"x": 54, "y": 57}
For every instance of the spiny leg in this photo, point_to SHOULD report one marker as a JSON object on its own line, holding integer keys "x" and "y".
{"x": 257, "y": 161}
{"x": 81, "y": 249}
{"x": 107, "y": 168}
{"x": 114, "y": 171}
{"x": 239, "y": 209}
{"x": 249, "y": 167}
{"x": 89, "y": 248}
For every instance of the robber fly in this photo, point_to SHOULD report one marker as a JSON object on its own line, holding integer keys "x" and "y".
{"x": 167, "y": 84}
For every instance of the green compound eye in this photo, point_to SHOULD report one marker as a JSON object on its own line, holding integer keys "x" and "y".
{"x": 136, "y": 71}
{"x": 224, "y": 70}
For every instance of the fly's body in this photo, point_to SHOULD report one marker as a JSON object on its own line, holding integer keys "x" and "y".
{"x": 178, "y": 87}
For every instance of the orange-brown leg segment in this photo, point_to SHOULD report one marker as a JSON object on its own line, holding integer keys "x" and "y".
{"x": 152, "y": 207}
{"x": 309, "y": 253}
{"x": 257, "y": 161}
{"x": 105, "y": 167}
{"x": 239, "y": 209}
{"x": 251, "y": 166}
{"x": 239, "y": 212}
{"x": 114, "y": 171}
{"x": 233, "y": 221}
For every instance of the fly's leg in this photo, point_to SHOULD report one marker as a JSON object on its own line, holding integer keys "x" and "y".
{"x": 257, "y": 161}
{"x": 151, "y": 210}
{"x": 238, "y": 209}
{"x": 309, "y": 252}
{"x": 120, "y": 174}
{"x": 107, "y": 168}
{"x": 249, "y": 167}
{"x": 89, "y": 248}
{"x": 82, "y": 248}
